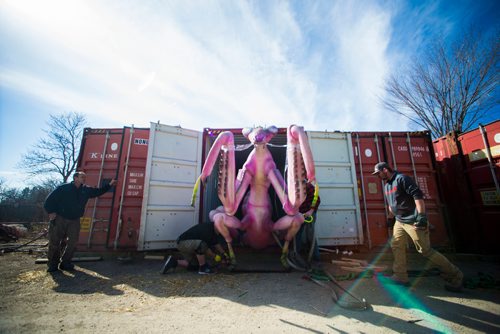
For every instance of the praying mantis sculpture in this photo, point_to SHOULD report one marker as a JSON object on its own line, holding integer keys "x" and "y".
{"x": 258, "y": 173}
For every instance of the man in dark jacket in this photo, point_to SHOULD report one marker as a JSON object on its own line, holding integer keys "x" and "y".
{"x": 406, "y": 203}
{"x": 65, "y": 205}
{"x": 309, "y": 209}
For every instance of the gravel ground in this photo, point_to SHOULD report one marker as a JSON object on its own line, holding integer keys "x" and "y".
{"x": 110, "y": 296}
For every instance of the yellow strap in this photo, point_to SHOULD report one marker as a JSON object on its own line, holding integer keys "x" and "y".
{"x": 195, "y": 190}
{"x": 315, "y": 197}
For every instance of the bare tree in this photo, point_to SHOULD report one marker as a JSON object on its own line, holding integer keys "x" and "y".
{"x": 452, "y": 87}
{"x": 57, "y": 153}
{"x": 3, "y": 188}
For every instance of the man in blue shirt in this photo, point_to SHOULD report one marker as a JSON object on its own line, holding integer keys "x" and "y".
{"x": 65, "y": 205}
{"x": 406, "y": 204}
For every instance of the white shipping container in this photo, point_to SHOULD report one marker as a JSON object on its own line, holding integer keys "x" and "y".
{"x": 173, "y": 164}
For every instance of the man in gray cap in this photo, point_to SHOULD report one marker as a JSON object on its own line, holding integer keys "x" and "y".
{"x": 406, "y": 202}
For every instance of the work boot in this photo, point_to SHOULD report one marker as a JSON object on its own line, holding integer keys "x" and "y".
{"x": 284, "y": 260}
{"x": 205, "y": 270}
{"x": 455, "y": 284}
{"x": 232, "y": 261}
{"x": 170, "y": 263}
{"x": 67, "y": 266}
{"x": 52, "y": 268}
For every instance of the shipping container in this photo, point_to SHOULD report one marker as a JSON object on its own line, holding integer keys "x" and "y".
{"x": 112, "y": 220}
{"x": 157, "y": 168}
{"x": 409, "y": 153}
{"x": 469, "y": 170}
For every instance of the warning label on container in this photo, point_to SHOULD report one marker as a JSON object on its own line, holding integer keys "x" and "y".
{"x": 422, "y": 184}
{"x": 417, "y": 151}
{"x": 135, "y": 185}
{"x": 84, "y": 224}
{"x": 482, "y": 154}
{"x": 490, "y": 197}
{"x": 372, "y": 188}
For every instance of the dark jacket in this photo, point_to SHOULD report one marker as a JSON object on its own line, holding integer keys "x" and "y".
{"x": 205, "y": 232}
{"x": 401, "y": 192}
{"x": 69, "y": 201}
{"x": 307, "y": 204}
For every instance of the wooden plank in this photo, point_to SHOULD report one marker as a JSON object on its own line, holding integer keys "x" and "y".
{"x": 361, "y": 269}
{"x": 346, "y": 263}
{"x": 361, "y": 262}
{"x": 75, "y": 259}
{"x": 155, "y": 257}
{"x": 353, "y": 269}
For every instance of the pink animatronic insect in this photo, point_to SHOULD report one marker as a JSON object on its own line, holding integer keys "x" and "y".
{"x": 258, "y": 173}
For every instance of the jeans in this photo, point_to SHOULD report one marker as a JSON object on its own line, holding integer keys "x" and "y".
{"x": 59, "y": 230}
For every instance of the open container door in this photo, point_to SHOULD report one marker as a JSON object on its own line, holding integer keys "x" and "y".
{"x": 338, "y": 218}
{"x": 174, "y": 162}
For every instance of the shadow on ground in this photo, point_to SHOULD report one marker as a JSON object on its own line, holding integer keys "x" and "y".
{"x": 424, "y": 306}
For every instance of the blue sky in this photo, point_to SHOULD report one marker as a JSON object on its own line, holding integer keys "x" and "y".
{"x": 320, "y": 64}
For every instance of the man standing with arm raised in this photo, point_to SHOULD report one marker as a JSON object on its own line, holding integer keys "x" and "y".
{"x": 65, "y": 205}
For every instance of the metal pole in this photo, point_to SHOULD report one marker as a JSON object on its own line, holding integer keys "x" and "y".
{"x": 392, "y": 153}
{"x": 119, "y": 227}
{"x": 395, "y": 166}
{"x": 99, "y": 183}
{"x": 364, "y": 194}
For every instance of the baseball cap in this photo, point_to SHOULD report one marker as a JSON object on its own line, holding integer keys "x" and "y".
{"x": 379, "y": 167}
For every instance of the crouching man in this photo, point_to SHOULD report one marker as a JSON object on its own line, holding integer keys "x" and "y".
{"x": 195, "y": 245}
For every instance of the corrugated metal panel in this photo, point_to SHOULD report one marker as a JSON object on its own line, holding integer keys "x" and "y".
{"x": 469, "y": 166}
{"x": 102, "y": 154}
{"x": 456, "y": 192}
{"x": 409, "y": 153}
{"x": 367, "y": 152}
{"x": 124, "y": 231}
{"x": 172, "y": 169}
{"x": 338, "y": 219}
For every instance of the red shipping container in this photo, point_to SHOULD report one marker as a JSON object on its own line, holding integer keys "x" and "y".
{"x": 112, "y": 220}
{"x": 469, "y": 170}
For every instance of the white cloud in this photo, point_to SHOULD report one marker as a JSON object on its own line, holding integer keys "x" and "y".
{"x": 12, "y": 179}
{"x": 360, "y": 35}
{"x": 320, "y": 64}
{"x": 211, "y": 64}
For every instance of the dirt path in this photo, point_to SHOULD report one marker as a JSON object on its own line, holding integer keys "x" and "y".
{"x": 113, "y": 297}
